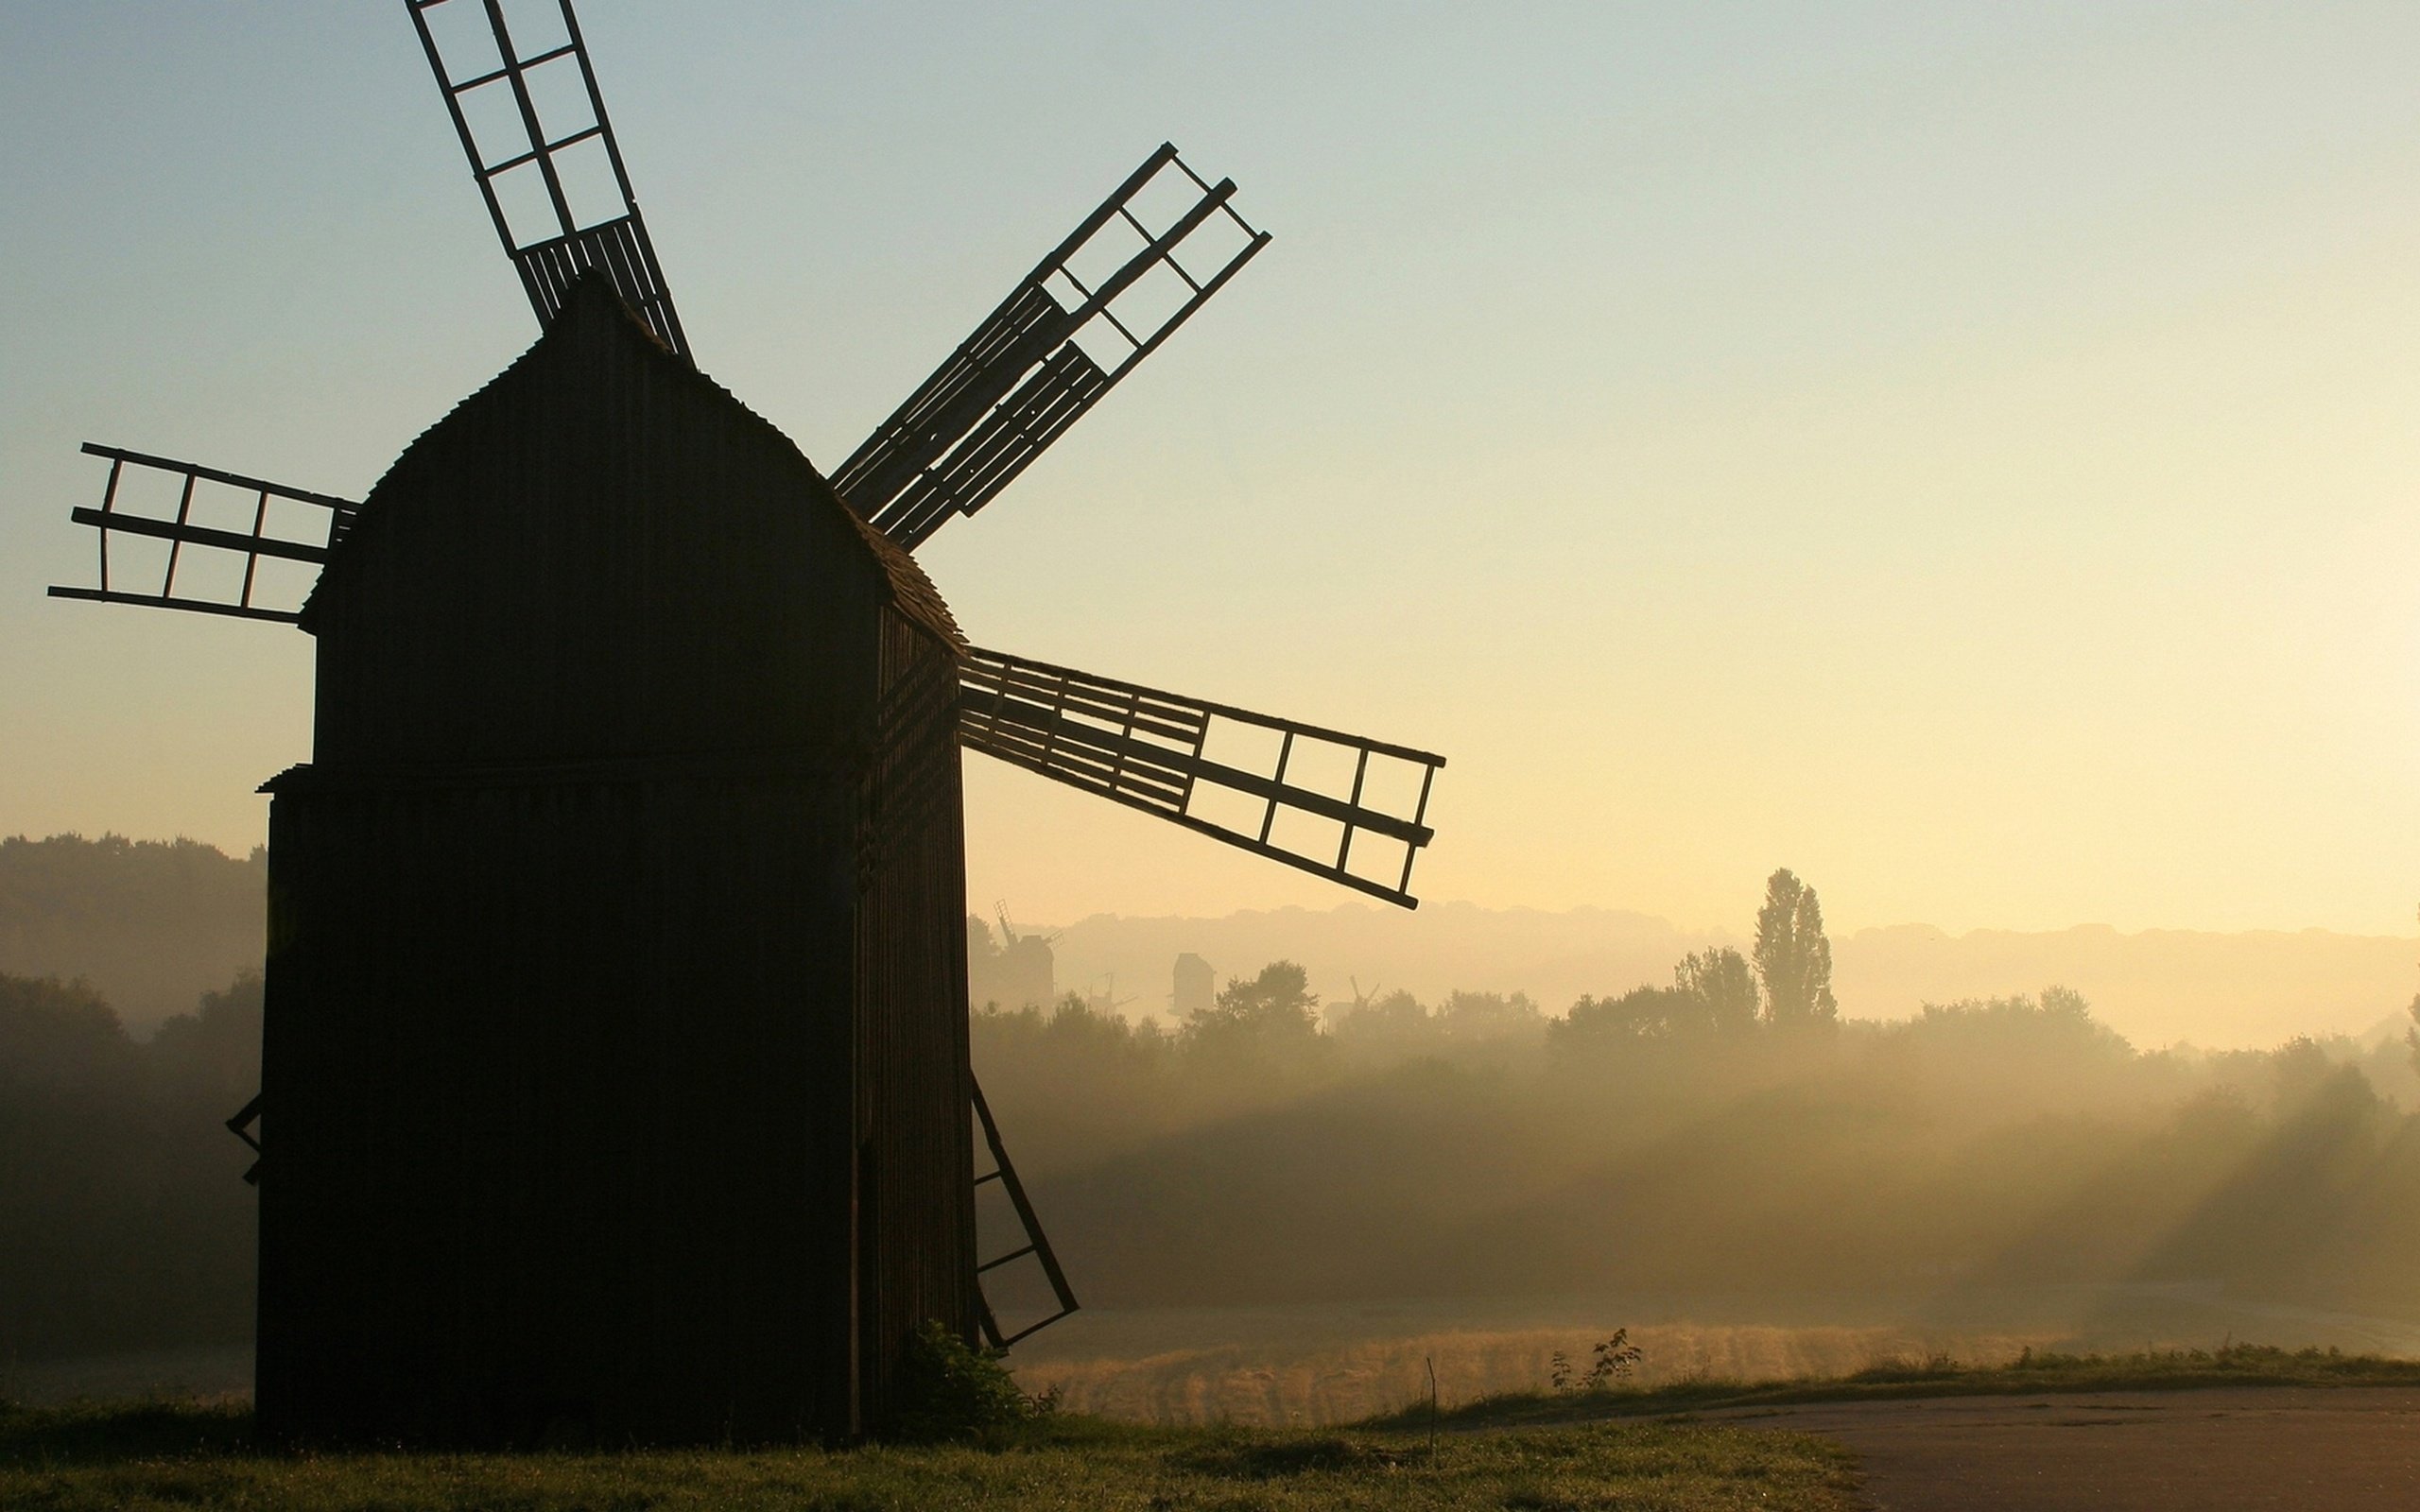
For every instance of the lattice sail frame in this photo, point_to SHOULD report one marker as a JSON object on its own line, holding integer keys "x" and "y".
{"x": 1145, "y": 748}
{"x": 1036, "y": 1245}
{"x": 548, "y": 264}
{"x": 1026, "y": 374}
{"x": 182, "y": 532}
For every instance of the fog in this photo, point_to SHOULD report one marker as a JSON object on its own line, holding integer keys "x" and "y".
{"x": 1480, "y": 1147}
{"x": 150, "y": 924}
{"x": 1286, "y": 1204}
{"x": 2243, "y": 990}
{"x": 1284, "y": 1209}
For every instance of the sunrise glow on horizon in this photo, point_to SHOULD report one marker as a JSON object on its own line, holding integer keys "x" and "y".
{"x": 1962, "y": 454}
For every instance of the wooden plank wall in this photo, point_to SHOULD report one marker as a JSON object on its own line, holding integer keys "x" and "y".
{"x": 616, "y": 1063}
{"x": 556, "y": 1095}
{"x": 916, "y": 1211}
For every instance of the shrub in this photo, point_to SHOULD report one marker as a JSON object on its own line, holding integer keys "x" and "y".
{"x": 1615, "y": 1358}
{"x": 953, "y": 1392}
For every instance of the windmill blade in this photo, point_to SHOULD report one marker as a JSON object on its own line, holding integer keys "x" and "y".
{"x": 156, "y": 499}
{"x": 1101, "y": 302}
{"x": 1028, "y": 1227}
{"x": 533, "y": 124}
{"x": 1338, "y": 805}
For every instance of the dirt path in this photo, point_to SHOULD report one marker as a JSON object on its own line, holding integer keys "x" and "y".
{"x": 2339, "y": 1450}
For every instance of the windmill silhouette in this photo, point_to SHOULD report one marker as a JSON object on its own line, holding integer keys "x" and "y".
{"x": 616, "y": 1036}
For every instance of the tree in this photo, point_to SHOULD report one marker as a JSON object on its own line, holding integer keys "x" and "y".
{"x": 1472, "y": 1017}
{"x": 1793, "y": 958}
{"x": 1274, "y": 1011}
{"x": 1642, "y": 1013}
{"x": 2411, "y": 1036}
{"x": 1722, "y": 981}
{"x": 1397, "y": 1019}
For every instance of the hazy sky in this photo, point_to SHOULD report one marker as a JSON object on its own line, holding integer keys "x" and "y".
{"x": 1966, "y": 453}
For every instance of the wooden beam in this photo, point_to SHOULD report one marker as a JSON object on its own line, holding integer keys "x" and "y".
{"x": 1094, "y": 734}
{"x": 235, "y": 541}
{"x": 196, "y": 605}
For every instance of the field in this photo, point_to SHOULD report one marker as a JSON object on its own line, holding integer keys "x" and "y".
{"x": 141, "y": 1458}
{"x": 2031, "y": 1375}
{"x": 1307, "y": 1367}
{"x": 1634, "y": 1445}
{"x": 1323, "y": 1365}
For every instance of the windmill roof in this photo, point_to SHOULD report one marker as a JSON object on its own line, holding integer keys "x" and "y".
{"x": 594, "y": 317}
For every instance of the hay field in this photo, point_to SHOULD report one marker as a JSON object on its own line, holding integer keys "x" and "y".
{"x": 1323, "y": 1371}
{"x": 1310, "y": 1366}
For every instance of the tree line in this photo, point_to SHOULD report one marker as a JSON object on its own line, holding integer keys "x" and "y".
{"x": 1273, "y": 1019}
{"x": 124, "y": 1223}
{"x": 152, "y": 925}
{"x": 1727, "y": 1132}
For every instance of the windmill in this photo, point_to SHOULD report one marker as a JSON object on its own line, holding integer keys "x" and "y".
{"x": 1345, "y": 1012}
{"x": 1106, "y": 1002}
{"x": 1018, "y": 969}
{"x": 615, "y": 1037}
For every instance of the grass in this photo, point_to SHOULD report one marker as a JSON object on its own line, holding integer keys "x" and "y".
{"x": 149, "y": 1456}
{"x": 2231, "y": 1364}
{"x": 1630, "y": 1448}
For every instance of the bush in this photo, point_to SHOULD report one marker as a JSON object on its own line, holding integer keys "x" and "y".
{"x": 1615, "y": 1358}
{"x": 953, "y": 1392}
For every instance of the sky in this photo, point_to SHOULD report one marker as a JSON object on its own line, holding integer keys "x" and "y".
{"x": 1963, "y": 452}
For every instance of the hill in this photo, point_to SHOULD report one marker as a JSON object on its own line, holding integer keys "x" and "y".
{"x": 151, "y": 924}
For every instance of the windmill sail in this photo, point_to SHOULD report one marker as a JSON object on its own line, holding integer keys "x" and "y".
{"x": 260, "y": 522}
{"x": 1028, "y": 1227}
{"x": 1340, "y": 806}
{"x": 533, "y": 124}
{"x": 1101, "y": 302}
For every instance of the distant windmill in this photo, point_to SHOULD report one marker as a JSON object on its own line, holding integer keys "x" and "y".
{"x": 1106, "y": 1002}
{"x": 1022, "y": 971}
{"x": 616, "y": 1036}
{"x": 1194, "y": 987}
{"x": 1340, "y": 1013}
{"x": 1010, "y": 935}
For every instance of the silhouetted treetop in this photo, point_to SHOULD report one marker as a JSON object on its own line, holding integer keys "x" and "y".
{"x": 1723, "y": 982}
{"x": 1794, "y": 956}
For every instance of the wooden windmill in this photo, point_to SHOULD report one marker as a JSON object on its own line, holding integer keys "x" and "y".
{"x": 615, "y": 1042}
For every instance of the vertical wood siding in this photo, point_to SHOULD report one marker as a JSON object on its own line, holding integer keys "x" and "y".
{"x": 560, "y": 1079}
{"x": 916, "y": 1166}
{"x": 615, "y": 1076}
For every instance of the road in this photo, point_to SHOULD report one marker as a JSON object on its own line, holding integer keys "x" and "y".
{"x": 2333, "y": 1450}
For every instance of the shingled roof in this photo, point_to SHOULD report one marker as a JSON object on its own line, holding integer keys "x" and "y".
{"x": 594, "y": 325}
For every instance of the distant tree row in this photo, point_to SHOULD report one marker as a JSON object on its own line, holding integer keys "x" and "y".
{"x": 2411, "y": 1036}
{"x": 1719, "y": 991}
{"x": 152, "y": 925}
{"x": 1254, "y": 1155}
{"x": 124, "y": 1220}
{"x": 1272, "y": 1020}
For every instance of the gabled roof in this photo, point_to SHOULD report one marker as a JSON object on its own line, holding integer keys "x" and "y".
{"x": 596, "y": 325}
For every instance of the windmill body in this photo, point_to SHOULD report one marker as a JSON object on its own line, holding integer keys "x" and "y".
{"x": 616, "y": 1031}
{"x": 616, "y": 1063}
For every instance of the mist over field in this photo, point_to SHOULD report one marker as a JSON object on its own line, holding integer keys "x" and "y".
{"x": 1284, "y": 1213}
{"x": 151, "y": 925}
{"x": 1603, "y": 755}
{"x": 1289, "y": 1201}
{"x": 2223, "y": 991}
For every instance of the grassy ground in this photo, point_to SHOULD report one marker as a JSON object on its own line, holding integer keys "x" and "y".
{"x": 141, "y": 1458}
{"x": 2235, "y": 1364}
{"x": 1567, "y": 1450}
